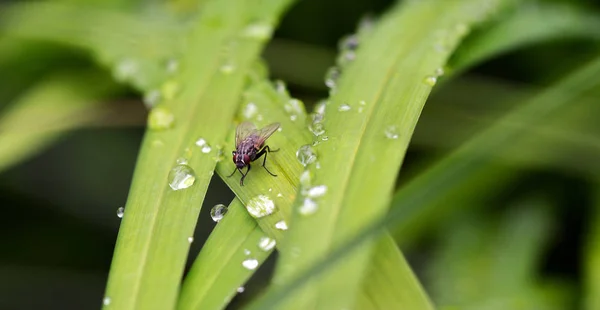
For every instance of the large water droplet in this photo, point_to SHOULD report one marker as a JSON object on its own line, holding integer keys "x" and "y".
{"x": 106, "y": 301}
{"x": 260, "y": 206}
{"x": 344, "y": 107}
{"x": 306, "y": 155}
{"x": 308, "y": 207}
{"x": 120, "y": 212}
{"x": 160, "y": 118}
{"x": 316, "y": 191}
{"x": 218, "y": 212}
{"x": 152, "y": 98}
{"x": 281, "y": 225}
{"x": 266, "y": 243}
{"x": 250, "y": 110}
{"x": 240, "y": 289}
{"x": 181, "y": 177}
{"x": 332, "y": 76}
{"x": 391, "y": 132}
{"x": 250, "y": 263}
{"x": 259, "y": 30}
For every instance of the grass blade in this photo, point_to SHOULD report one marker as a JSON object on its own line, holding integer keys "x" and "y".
{"x": 152, "y": 245}
{"x": 359, "y": 164}
{"x": 54, "y": 106}
{"x": 592, "y": 260}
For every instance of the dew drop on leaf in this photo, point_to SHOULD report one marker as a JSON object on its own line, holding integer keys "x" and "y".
{"x": 308, "y": 207}
{"x": 331, "y": 77}
{"x": 120, "y": 212}
{"x": 240, "y": 289}
{"x": 266, "y": 243}
{"x": 316, "y": 191}
{"x": 218, "y": 212}
{"x": 344, "y": 107}
{"x": 260, "y": 206}
{"x": 306, "y": 155}
{"x": 181, "y": 177}
{"x": 190, "y": 239}
{"x": 258, "y": 30}
{"x": 152, "y": 98}
{"x": 160, "y": 118}
{"x": 281, "y": 225}
{"x": 391, "y": 132}
{"x": 430, "y": 80}
{"x": 250, "y": 263}
{"x": 106, "y": 301}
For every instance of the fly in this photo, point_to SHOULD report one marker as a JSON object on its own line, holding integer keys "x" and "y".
{"x": 250, "y": 146}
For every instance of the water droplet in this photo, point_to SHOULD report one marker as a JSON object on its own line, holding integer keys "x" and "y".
{"x": 362, "y": 102}
{"x": 281, "y": 225}
{"x": 439, "y": 71}
{"x": 280, "y": 195}
{"x": 391, "y": 132}
{"x": 280, "y": 129}
{"x": 260, "y": 206}
{"x": 345, "y": 58}
{"x": 160, "y": 118}
{"x": 190, "y": 239}
{"x": 259, "y": 30}
{"x": 316, "y": 191}
{"x": 317, "y": 128}
{"x": 227, "y": 68}
{"x": 152, "y": 98}
{"x": 325, "y": 138}
{"x": 106, "y": 301}
{"x": 181, "y": 161}
{"x": 281, "y": 88}
{"x": 294, "y": 107}
{"x": 344, "y": 107}
{"x": 308, "y": 207}
{"x": 218, "y": 212}
{"x": 250, "y": 263}
{"x": 172, "y": 65}
{"x": 205, "y": 148}
{"x": 320, "y": 107}
{"x": 349, "y": 42}
{"x": 120, "y": 212}
{"x": 250, "y": 110}
{"x": 266, "y": 243}
{"x": 181, "y": 177}
{"x": 293, "y": 118}
{"x": 318, "y": 165}
{"x": 126, "y": 69}
{"x": 306, "y": 155}
{"x": 332, "y": 76}
{"x": 240, "y": 289}
{"x": 246, "y": 252}
{"x": 305, "y": 178}
{"x": 169, "y": 89}
{"x": 430, "y": 80}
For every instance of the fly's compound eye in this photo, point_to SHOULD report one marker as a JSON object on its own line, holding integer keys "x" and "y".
{"x": 246, "y": 159}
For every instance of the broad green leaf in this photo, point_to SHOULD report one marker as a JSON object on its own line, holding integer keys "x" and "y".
{"x": 199, "y": 102}
{"x": 369, "y": 122}
{"x": 47, "y": 110}
{"x": 415, "y": 199}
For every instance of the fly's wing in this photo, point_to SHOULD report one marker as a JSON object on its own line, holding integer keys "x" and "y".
{"x": 243, "y": 131}
{"x": 264, "y": 133}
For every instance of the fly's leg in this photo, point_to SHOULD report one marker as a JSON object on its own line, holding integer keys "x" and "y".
{"x": 265, "y": 150}
{"x": 243, "y": 175}
{"x": 234, "y": 171}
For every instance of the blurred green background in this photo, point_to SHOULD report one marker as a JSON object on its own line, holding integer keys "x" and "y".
{"x": 59, "y": 223}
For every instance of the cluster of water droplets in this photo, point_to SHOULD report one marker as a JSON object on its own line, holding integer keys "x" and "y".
{"x": 203, "y": 145}
{"x": 293, "y": 106}
{"x": 260, "y": 206}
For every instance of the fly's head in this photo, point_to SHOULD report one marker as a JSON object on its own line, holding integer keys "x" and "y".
{"x": 240, "y": 160}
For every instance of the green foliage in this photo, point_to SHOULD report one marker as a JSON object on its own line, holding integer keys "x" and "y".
{"x": 335, "y": 220}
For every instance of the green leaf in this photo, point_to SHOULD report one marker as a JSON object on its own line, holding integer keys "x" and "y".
{"x": 592, "y": 259}
{"x": 137, "y": 48}
{"x": 41, "y": 115}
{"x": 415, "y": 201}
{"x": 528, "y": 24}
{"x": 367, "y": 142}
{"x": 199, "y": 103}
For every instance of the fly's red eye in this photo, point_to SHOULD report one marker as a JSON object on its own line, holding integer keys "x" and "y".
{"x": 246, "y": 159}
{"x": 233, "y": 158}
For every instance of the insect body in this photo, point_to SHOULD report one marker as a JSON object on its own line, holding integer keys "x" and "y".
{"x": 250, "y": 146}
